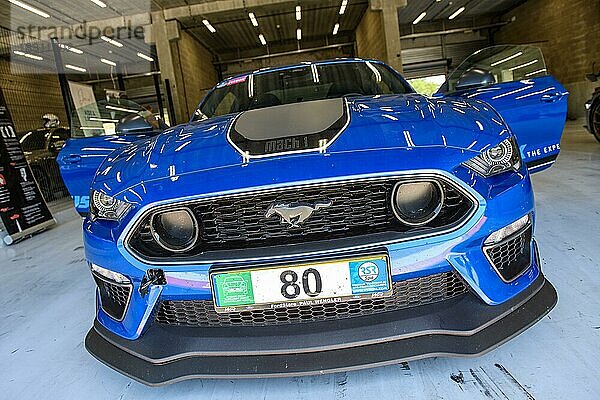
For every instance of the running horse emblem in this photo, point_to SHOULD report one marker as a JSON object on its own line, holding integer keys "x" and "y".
{"x": 295, "y": 215}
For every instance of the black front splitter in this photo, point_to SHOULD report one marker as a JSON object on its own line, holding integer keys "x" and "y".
{"x": 459, "y": 327}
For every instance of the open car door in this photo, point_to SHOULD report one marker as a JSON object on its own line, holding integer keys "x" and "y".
{"x": 515, "y": 82}
{"x": 120, "y": 122}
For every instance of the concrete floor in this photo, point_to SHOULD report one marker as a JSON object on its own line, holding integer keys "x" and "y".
{"x": 46, "y": 307}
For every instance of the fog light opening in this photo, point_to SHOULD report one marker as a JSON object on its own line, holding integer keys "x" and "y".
{"x": 417, "y": 203}
{"x": 175, "y": 230}
{"x": 114, "y": 291}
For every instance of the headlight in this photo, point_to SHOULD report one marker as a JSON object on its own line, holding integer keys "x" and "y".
{"x": 417, "y": 203}
{"x": 175, "y": 230}
{"x": 501, "y": 158}
{"x": 105, "y": 207}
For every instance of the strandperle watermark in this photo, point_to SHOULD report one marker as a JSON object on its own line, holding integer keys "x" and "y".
{"x": 87, "y": 48}
{"x": 84, "y": 31}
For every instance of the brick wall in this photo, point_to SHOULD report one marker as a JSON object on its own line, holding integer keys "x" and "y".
{"x": 30, "y": 93}
{"x": 568, "y": 31}
{"x": 198, "y": 74}
{"x": 369, "y": 40}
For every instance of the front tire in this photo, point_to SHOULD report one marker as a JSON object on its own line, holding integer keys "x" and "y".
{"x": 595, "y": 120}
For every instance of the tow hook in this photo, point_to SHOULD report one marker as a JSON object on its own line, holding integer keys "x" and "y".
{"x": 154, "y": 276}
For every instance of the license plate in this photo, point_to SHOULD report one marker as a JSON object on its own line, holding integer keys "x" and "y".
{"x": 301, "y": 284}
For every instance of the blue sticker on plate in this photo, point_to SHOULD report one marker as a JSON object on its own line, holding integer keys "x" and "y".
{"x": 369, "y": 276}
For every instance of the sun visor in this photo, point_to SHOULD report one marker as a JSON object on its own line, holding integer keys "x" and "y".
{"x": 289, "y": 128}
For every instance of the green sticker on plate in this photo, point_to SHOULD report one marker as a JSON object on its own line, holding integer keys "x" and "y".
{"x": 233, "y": 289}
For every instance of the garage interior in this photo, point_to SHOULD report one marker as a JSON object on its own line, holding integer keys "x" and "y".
{"x": 185, "y": 47}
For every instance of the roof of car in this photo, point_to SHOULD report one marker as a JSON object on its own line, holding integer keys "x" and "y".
{"x": 302, "y": 64}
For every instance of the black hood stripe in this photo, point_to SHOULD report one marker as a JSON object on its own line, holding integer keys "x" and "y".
{"x": 289, "y": 129}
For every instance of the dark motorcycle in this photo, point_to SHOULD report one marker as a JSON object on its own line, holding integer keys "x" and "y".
{"x": 592, "y": 106}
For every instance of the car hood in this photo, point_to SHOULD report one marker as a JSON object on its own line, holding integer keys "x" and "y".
{"x": 411, "y": 129}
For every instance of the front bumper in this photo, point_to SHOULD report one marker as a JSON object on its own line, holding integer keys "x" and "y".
{"x": 464, "y": 326}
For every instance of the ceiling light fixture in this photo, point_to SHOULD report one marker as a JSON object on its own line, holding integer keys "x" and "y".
{"x": 506, "y": 59}
{"x": 343, "y": 7}
{"x": 536, "y": 72}
{"x": 209, "y": 26}
{"x": 32, "y": 56}
{"x": 69, "y": 48}
{"x": 145, "y": 57}
{"x": 298, "y": 13}
{"x": 29, "y": 8}
{"x": 455, "y": 13}
{"x": 75, "y": 68}
{"x": 527, "y": 64}
{"x": 298, "y": 34}
{"x": 253, "y": 19}
{"x": 111, "y": 63}
{"x": 111, "y": 41}
{"x": 262, "y": 39}
{"x": 419, "y": 18}
{"x": 99, "y": 3}
{"x": 336, "y": 28}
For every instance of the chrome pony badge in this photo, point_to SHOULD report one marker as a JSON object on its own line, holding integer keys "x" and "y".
{"x": 295, "y": 215}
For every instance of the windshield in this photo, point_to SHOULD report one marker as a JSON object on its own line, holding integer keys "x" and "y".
{"x": 300, "y": 84}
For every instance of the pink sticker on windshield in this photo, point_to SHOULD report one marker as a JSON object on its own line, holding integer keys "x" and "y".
{"x": 237, "y": 80}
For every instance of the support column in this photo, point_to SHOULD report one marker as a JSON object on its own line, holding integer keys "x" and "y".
{"x": 378, "y": 33}
{"x": 162, "y": 32}
{"x": 62, "y": 80}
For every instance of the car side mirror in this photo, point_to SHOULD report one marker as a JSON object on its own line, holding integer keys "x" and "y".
{"x": 133, "y": 124}
{"x": 474, "y": 78}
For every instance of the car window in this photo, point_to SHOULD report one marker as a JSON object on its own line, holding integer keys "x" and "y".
{"x": 226, "y": 104}
{"x": 388, "y": 84}
{"x": 506, "y": 63}
{"x": 224, "y": 99}
{"x": 300, "y": 84}
{"x": 287, "y": 86}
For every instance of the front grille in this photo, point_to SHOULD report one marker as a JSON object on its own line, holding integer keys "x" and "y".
{"x": 114, "y": 297}
{"x": 357, "y": 208}
{"x": 512, "y": 256}
{"x": 407, "y": 293}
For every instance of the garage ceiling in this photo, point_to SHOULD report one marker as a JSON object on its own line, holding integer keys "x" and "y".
{"x": 77, "y": 11}
{"x": 234, "y": 31}
{"x": 69, "y": 11}
{"x": 278, "y": 24}
{"x": 234, "y": 34}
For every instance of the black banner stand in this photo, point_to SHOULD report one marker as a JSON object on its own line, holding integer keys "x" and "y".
{"x": 23, "y": 210}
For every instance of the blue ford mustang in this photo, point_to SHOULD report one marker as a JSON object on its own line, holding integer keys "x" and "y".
{"x": 324, "y": 217}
